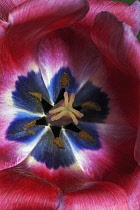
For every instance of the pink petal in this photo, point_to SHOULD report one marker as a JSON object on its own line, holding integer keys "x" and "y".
{"x": 6, "y": 6}
{"x": 124, "y": 12}
{"x": 20, "y": 190}
{"x": 101, "y": 195}
{"x": 70, "y": 48}
{"x": 131, "y": 185}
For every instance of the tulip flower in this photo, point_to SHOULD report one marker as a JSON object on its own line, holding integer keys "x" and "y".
{"x": 69, "y": 105}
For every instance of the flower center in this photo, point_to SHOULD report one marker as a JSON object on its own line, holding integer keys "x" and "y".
{"x": 65, "y": 111}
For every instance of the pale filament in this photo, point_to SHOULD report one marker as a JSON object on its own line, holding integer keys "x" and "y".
{"x": 66, "y": 109}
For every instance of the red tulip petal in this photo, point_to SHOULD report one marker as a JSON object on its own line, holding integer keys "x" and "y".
{"x": 117, "y": 43}
{"x": 114, "y": 158}
{"x": 21, "y": 190}
{"x": 120, "y": 65}
{"x": 6, "y": 6}
{"x": 124, "y": 12}
{"x": 101, "y": 195}
{"x": 34, "y": 19}
{"x": 47, "y": 12}
{"x": 67, "y": 179}
{"x": 123, "y": 92}
{"x": 131, "y": 184}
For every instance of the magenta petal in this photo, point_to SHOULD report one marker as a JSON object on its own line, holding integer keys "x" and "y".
{"x": 117, "y": 43}
{"x": 3, "y": 26}
{"x": 48, "y": 12}
{"x": 72, "y": 48}
{"x": 33, "y": 19}
{"x": 21, "y": 190}
{"x": 101, "y": 195}
{"x": 121, "y": 59}
{"x": 6, "y": 6}
{"x": 124, "y": 12}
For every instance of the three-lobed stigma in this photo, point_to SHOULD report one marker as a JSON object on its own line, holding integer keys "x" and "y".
{"x": 66, "y": 110}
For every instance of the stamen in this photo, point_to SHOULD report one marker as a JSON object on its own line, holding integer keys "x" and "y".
{"x": 64, "y": 80}
{"x": 36, "y": 95}
{"x": 85, "y": 135}
{"x": 58, "y": 142}
{"x": 66, "y": 99}
{"x": 30, "y": 124}
{"x": 91, "y": 105}
{"x": 31, "y": 132}
{"x": 72, "y": 98}
{"x": 66, "y": 110}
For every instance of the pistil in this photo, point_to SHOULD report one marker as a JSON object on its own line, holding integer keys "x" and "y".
{"x": 66, "y": 110}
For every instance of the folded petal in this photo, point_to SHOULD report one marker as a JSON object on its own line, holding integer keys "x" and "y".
{"x": 117, "y": 43}
{"x": 3, "y": 27}
{"x": 66, "y": 178}
{"x": 33, "y": 19}
{"x": 124, "y": 12}
{"x": 6, "y": 6}
{"x": 49, "y": 10}
{"x": 21, "y": 190}
{"x": 100, "y": 195}
{"x": 120, "y": 66}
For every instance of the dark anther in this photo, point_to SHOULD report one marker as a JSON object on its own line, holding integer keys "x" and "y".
{"x": 72, "y": 128}
{"x": 64, "y": 80}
